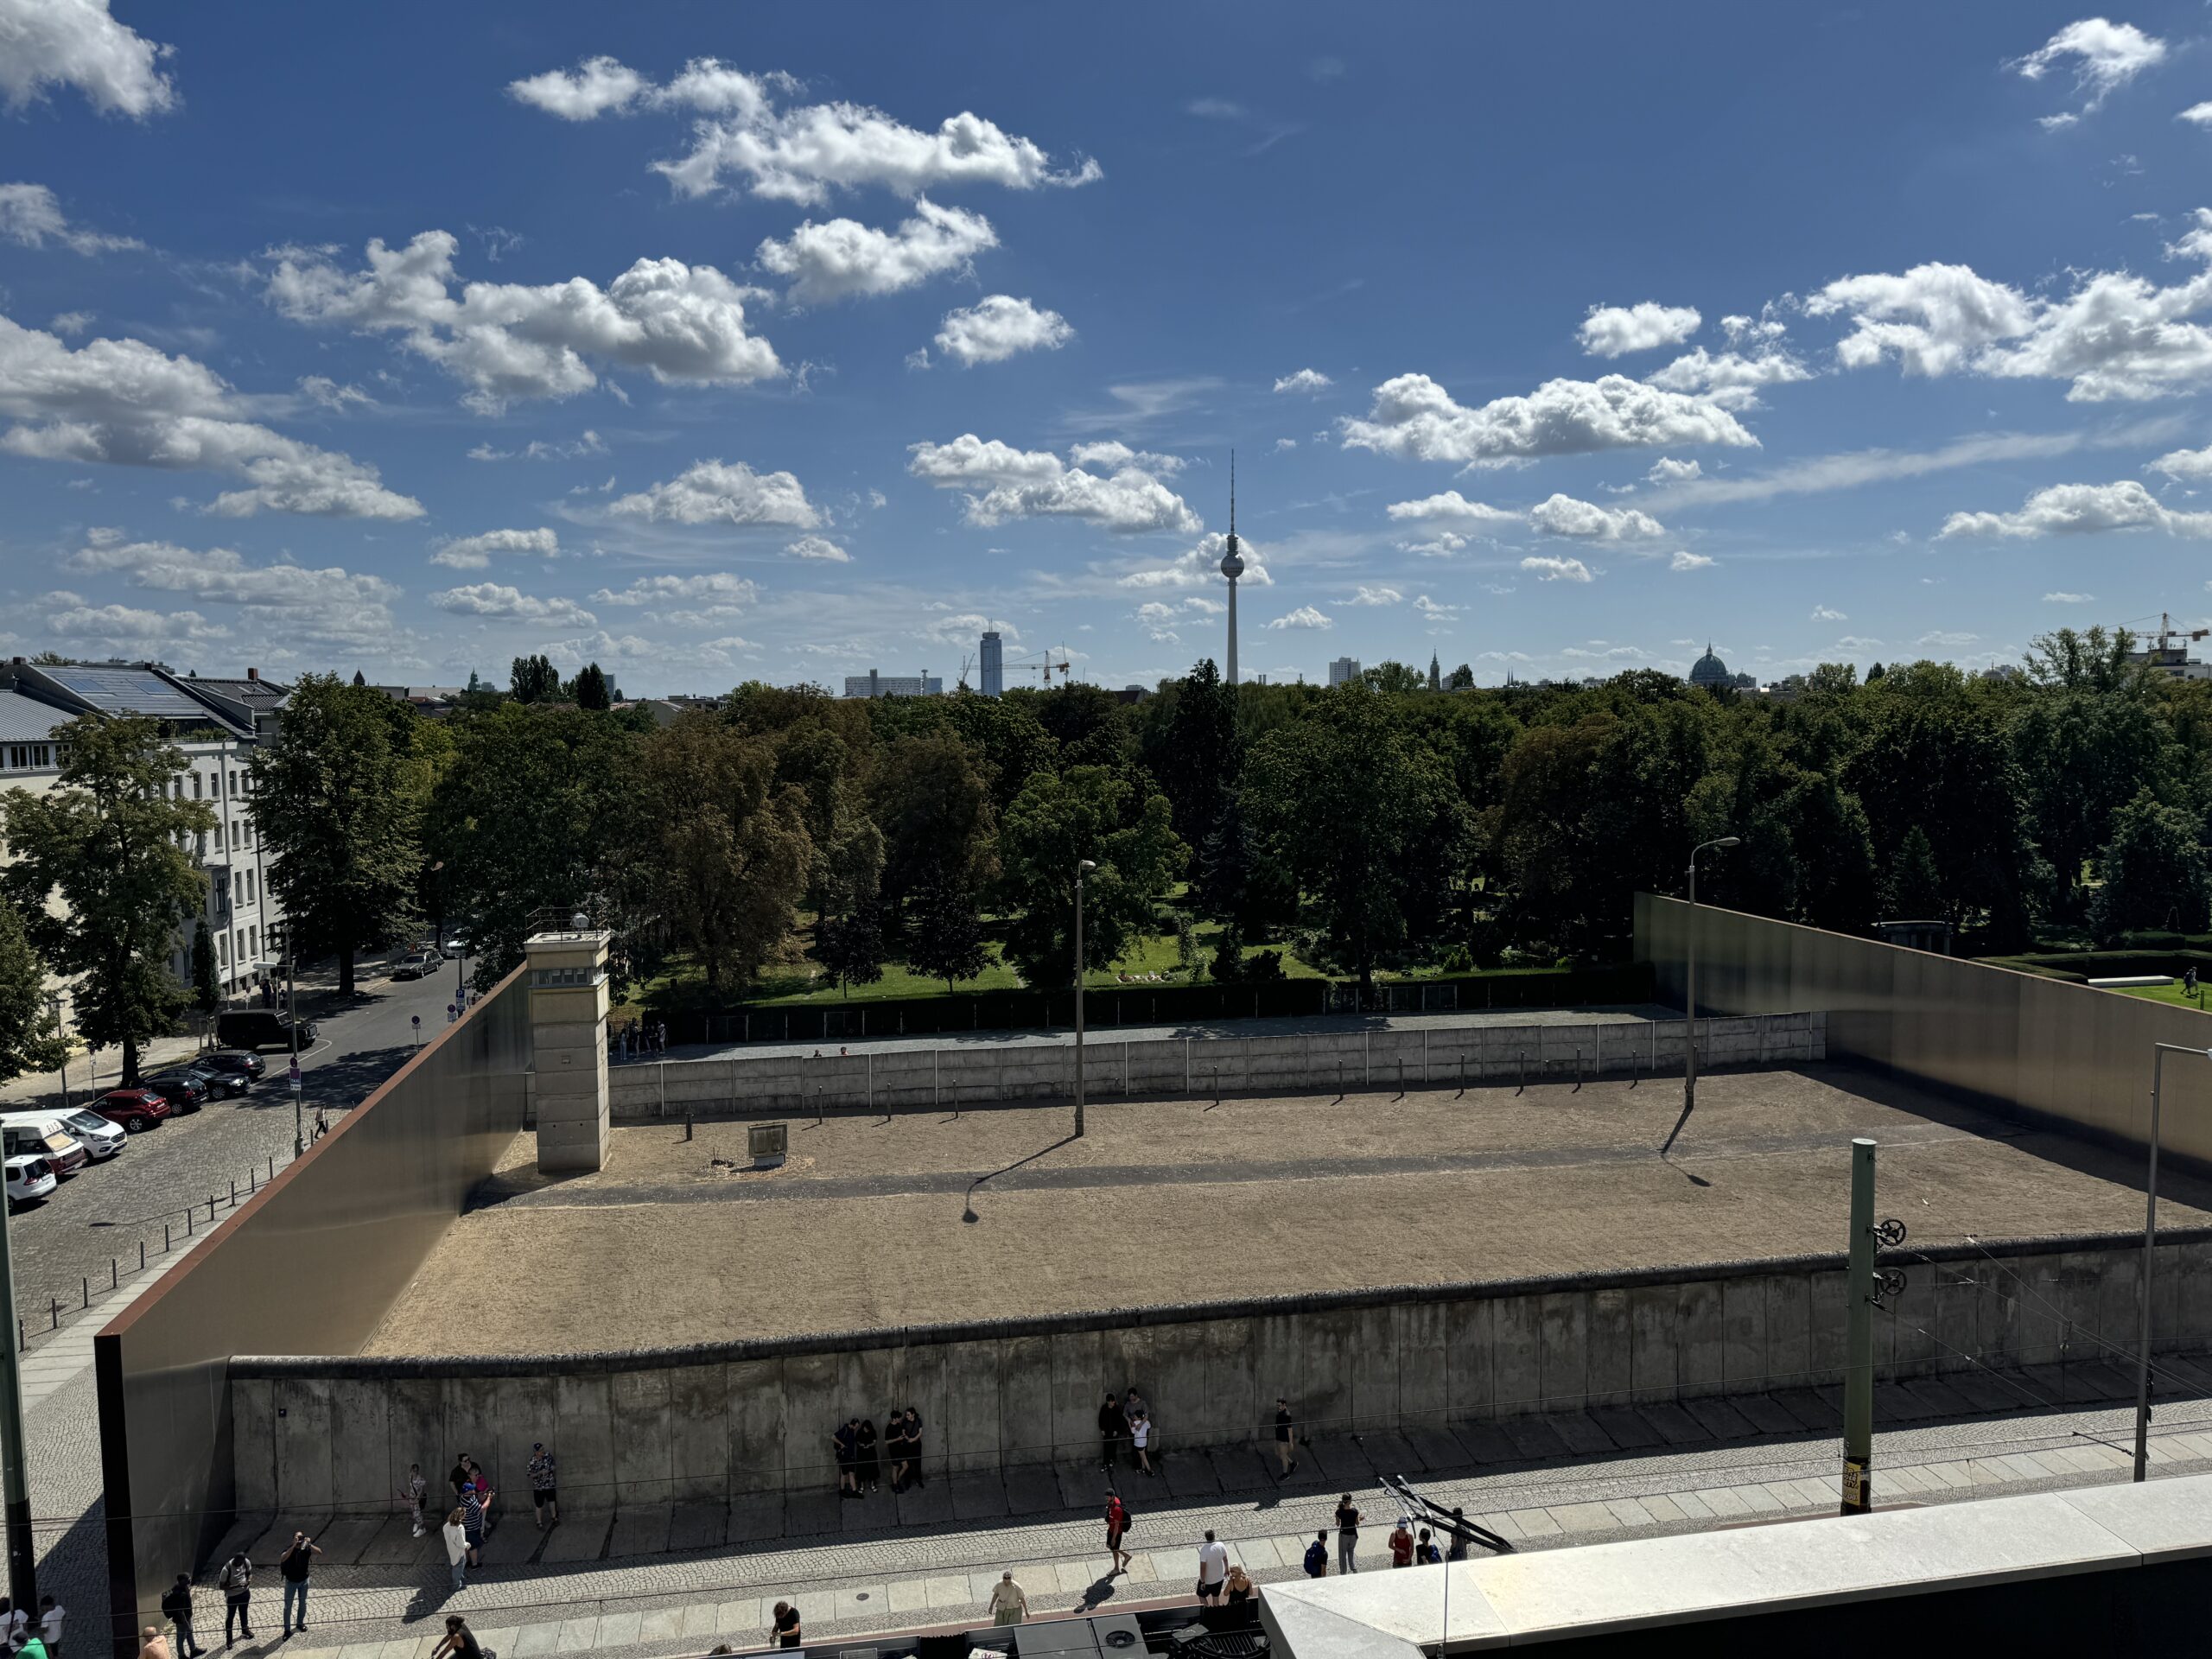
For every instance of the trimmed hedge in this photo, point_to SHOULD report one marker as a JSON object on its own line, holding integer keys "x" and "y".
{"x": 2079, "y": 967}
{"x": 1148, "y": 1005}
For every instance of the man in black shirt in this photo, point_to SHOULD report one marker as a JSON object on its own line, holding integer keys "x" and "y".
{"x": 1285, "y": 1436}
{"x": 293, "y": 1567}
{"x": 176, "y": 1607}
{"x": 787, "y": 1632}
{"x": 1113, "y": 1428}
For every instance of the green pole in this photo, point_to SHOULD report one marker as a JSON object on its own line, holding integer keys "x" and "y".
{"x": 22, "y": 1554}
{"x": 1859, "y": 1338}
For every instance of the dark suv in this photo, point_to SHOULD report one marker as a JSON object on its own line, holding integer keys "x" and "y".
{"x": 183, "y": 1092}
{"x": 260, "y": 1028}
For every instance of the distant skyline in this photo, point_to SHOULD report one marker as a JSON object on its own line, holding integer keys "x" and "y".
{"x": 713, "y": 343}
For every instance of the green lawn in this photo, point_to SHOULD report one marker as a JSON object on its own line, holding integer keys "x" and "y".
{"x": 2169, "y": 993}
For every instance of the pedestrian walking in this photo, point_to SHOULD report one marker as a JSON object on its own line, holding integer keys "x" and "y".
{"x": 1213, "y": 1569}
{"x": 786, "y": 1627}
{"x": 176, "y": 1607}
{"x": 1285, "y": 1437}
{"x": 661, "y": 1039}
{"x": 844, "y": 1446}
{"x": 460, "y": 1642}
{"x": 1237, "y": 1586}
{"x": 544, "y": 1488}
{"x": 152, "y": 1644}
{"x": 868, "y": 1462}
{"x": 455, "y": 1534}
{"x": 1117, "y": 1528}
{"x": 1426, "y": 1552}
{"x": 236, "y": 1582}
{"x": 1009, "y": 1603}
{"x": 1140, "y": 1438}
{"x": 1347, "y": 1536}
{"x": 1457, "y": 1549}
{"x": 412, "y": 1491}
{"x": 1113, "y": 1429}
{"x": 472, "y": 1521}
{"x": 1317, "y": 1555}
{"x": 51, "y": 1617}
{"x": 1402, "y": 1543}
{"x": 293, "y": 1567}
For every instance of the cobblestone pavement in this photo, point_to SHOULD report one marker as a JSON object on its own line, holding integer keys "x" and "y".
{"x": 1296, "y": 1026}
{"x": 103, "y": 1214}
{"x": 874, "y": 1580}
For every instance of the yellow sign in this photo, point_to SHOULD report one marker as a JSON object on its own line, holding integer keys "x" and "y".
{"x": 1857, "y": 1494}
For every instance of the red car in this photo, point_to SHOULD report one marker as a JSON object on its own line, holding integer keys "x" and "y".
{"x": 135, "y": 1109}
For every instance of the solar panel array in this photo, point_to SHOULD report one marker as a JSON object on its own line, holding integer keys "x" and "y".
{"x": 130, "y": 691}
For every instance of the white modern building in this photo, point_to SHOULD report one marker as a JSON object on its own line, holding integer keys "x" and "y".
{"x": 216, "y": 723}
{"x": 991, "y": 665}
{"x": 1343, "y": 670}
{"x": 873, "y": 684}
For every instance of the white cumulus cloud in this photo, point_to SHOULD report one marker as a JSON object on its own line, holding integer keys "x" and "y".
{"x": 31, "y": 216}
{"x": 1827, "y": 614}
{"x": 1310, "y": 382}
{"x": 819, "y": 548}
{"x": 2081, "y": 509}
{"x": 1200, "y": 569}
{"x": 78, "y": 43}
{"x": 474, "y": 552}
{"x": 2063, "y": 597}
{"x": 722, "y": 493}
{"x": 1002, "y": 482}
{"x": 1685, "y": 560}
{"x": 1545, "y": 568}
{"x": 1378, "y": 596}
{"x": 1562, "y": 515}
{"x": 1415, "y": 418}
{"x": 682, "y": 324}
{"x": 2184, "y": 463}
{"x": 1730, "y": 379}
{"x": 1617, "y": 330}
{"x": 1452, "y": 508}
{"x": 998, "y": 327}
{"x": 1304, "y": 617}
{"x": 841, "y": 258}
{"x": 1668, "y": 470}
{"x": 713, "y": 588}
{"x": 2104, "y": 56}
{"x": 328, "y": 606}
{"x": 494, "y": 601}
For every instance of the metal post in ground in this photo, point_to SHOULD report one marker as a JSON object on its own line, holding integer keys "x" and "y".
{"x": 1859, "y": 1338}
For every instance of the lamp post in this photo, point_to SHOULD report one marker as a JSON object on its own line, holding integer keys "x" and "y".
{"x": 292, "y": 1026}
{"x": 1689, "y": 952}
{"x": 54, "y": 1003}
{"x": 1084, "y": 866}
{"x": 2159, "y": 1051}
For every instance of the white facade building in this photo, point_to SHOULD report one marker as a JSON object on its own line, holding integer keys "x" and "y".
{"x": 873, "y": 684}
{"x": 1343, "y": 670}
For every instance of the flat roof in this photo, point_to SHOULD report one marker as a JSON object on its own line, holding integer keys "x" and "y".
{"x": 1190, "y": 1201}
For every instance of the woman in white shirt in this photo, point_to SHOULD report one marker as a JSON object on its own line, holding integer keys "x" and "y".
{"x": 1141, "y": 1438}
{"x": 456, "y": 1537}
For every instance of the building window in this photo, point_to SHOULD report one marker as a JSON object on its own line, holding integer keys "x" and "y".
{"x": 252, "y": 942}
{"x": 203, "y": 836}
{"x": 234, "y": 783}
{"x": 234, "y": 837}
{"x": 223, "y": 949}
{"x": 241, "y": 936}
{"x": 249, "y": 886}
{"x": 195, "y": 785}
{"x": 249, "y": 832}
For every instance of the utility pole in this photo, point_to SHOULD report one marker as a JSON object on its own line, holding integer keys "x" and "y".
{"x": 1689, "y": 953}
{"x": 23, "y": 1555}
{"x": 53, "y": 1001}
{"x": 292, "y": 1025}
{"x": 1083, "y": 868}
{"x": 1859, "y": 1338}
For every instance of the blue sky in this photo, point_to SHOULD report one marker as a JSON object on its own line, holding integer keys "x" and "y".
{"x": 713, "y": 343}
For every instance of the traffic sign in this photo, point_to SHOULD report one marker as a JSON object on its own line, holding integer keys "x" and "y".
{"x": 295, "y": 1075}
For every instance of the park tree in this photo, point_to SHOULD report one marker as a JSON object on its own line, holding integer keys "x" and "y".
{"x": 1461, "y": 679}
{"x": 1395, "y": 679}
{"x": 105, "y": 848}
{"x": 945, "y": 932}
{"x": 537, "y": 810}
{"x": 591, "y": 695}
{"x": 341, "y": 819}
{"x": 1058, "y": 820}
{"x": 1914, "y": 890}
{"x": 1195, "y": 752}
{"x": 728, "y": 845}
{"x": 28, "y": 1041}
{"x": 2153, "y": 871}
{"x": 850, "y": 946}
{"x": 1364, "y": 817}
{"x": 928, "y": 795}
{"x": 533, "y": 679}
{"x": 206, "y": 985}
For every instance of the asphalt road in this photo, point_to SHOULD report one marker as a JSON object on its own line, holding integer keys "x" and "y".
{"x": 106, "y": 1211}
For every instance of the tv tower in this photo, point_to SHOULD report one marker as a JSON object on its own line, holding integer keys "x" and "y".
{"x": 1232, "y": 566}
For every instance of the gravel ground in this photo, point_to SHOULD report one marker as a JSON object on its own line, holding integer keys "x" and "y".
{"x": 1180, "y": 1200}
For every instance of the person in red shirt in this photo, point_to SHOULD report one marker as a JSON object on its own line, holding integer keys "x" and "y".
{"x": 1402, "y": 1545}
{"x": 1118, "y": 1526}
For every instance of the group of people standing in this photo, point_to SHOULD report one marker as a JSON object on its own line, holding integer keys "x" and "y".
{"x": 861, "y": 1453}
{"x": 1407, "y": 1548}
{"x": 1125, "y": 1421}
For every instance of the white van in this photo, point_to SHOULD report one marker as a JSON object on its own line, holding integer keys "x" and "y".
{"x": 100, "y": 1139}
{"x": 40, "y": 1135}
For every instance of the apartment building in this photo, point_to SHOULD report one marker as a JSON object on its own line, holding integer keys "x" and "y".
{"x": 216, "y": 724}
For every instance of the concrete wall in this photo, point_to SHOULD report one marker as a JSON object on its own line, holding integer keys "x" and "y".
{"x": 2068, "y": 1056}
{"x": 310, "y": 1264}
{"x": 970, "y": 1074}
{"x": 316, "y": 1435}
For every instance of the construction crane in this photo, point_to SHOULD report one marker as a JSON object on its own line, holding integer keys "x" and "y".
{"x": 1044, "y": 667}
{"x": 2167, "y": 633}
{"x": 966, "y": 663}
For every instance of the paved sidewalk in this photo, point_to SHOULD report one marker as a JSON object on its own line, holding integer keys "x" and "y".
{"x": 845, "y": 1586}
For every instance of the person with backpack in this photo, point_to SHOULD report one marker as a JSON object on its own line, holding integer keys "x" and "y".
{"x": 1317, "y": 1555}
{"x": 1117, "y": 1528}
{"x": 236, "y": 1582}
{"x": 1426, "y": 1552}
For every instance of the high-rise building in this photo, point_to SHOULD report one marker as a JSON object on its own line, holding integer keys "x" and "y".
{"x": 992, "y": 665}
{"x": 873, "y": 684}
{"x": 1342, "y": 670}
{"x": 1232, "y": 566}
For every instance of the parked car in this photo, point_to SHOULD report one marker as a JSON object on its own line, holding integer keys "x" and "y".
{"x": 42, "y": 1137}
{"x": 419, "y": 964}
{"x": 215, "y": 1081}
{"x": 456, "y": 944}
{"x": 260, "y": 1028}
{"x": 137, "y": 1109}
{"x": 100, "y": 1139}
{"x": 185, "y": 1093}
{"x": 241, "y": 1065}
{"x": 30, "y": 1178}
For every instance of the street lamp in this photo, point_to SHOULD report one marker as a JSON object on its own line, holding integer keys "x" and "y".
{"x": 54, "y": 1003}
{"x": 2159, "y": 1051}
{"x": 292, "y": 1026}
{"x": 1689, "y": 1053}
{"x": 1083, "y": 868}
